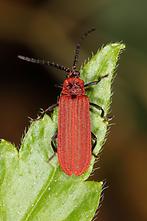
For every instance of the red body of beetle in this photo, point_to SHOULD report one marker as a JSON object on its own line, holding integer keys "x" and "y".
{"x": 74, "y": 133}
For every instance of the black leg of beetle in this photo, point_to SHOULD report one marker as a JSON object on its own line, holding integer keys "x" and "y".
{"x": 94, "y": 144}
{"x": 53, "y": 146}
{"x": 95, "y": 140}
{"x": 95, "y": 82}
{"x": 99, "y": 108}
{"x": 58, "y": 85}
{"x": 49, "y": 109}
{"x": 53, "y": 140}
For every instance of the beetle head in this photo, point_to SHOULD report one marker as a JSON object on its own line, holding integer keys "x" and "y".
{"x": 73, "y": 87}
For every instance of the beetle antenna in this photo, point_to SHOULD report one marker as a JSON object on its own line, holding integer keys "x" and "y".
{"x": 38, "y": 61}
{"x": 77, "y": 50}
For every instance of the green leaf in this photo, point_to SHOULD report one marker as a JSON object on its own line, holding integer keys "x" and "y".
{"x": 31, "y": 188}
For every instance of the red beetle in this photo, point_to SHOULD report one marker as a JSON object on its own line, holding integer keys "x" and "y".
{"x": 74, "y": 136}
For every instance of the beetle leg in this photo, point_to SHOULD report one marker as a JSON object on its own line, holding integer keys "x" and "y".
{"x": 53, "y": 142}
{"x": 49, "y": 109}
{"x": 94, "y": 144}
{"x": 58, "y": 85}
{"x": 53, "y": 139}
{"x": 99, "y": 108}
{"x": 95, "y": 82}
{"x": 95, "y": 140}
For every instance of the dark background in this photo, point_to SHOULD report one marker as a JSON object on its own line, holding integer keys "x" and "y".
{"x": 50, "y": 29}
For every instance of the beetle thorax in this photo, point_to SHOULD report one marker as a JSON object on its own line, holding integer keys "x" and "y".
{"x": 73, "y": 87}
